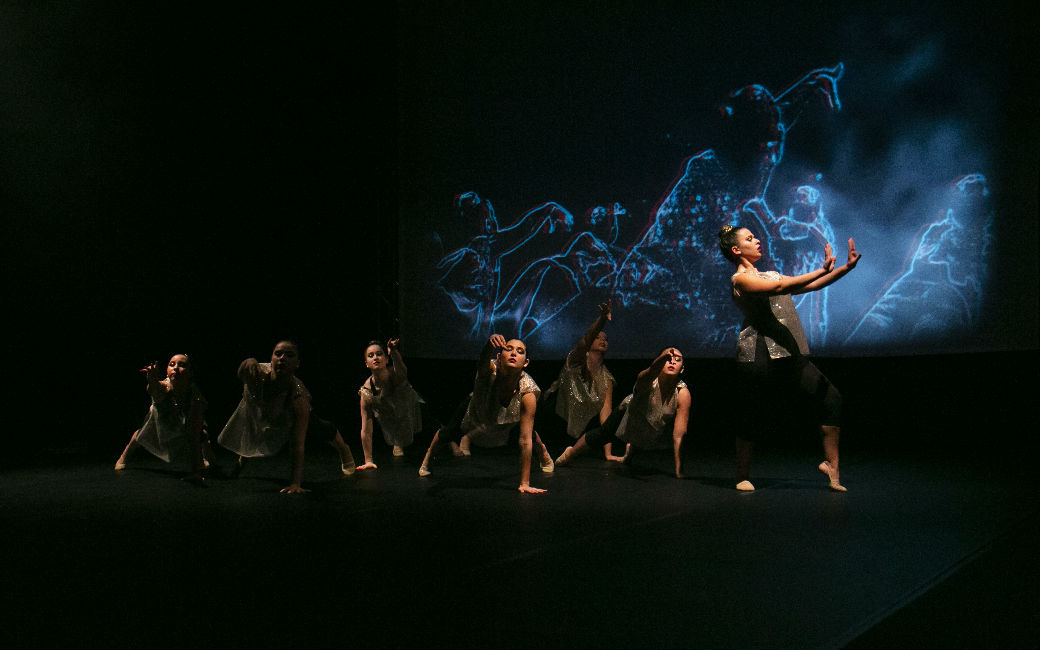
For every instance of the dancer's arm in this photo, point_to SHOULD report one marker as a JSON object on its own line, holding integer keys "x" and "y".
{"x": 367, "y": 415}
{"x": 576, "y": 357}
{"x": 400, "y": 373}
{"x": 302, "y": 409}
{"x": 528, "y": 404}
{"x": 647, "y": 376}
{"x": 495, "y": 343}
{"x": 153, "y": 375}
{"x": 682, "y": 420}
{"x": 249, "y": 373}
{"x": 754, "y": 283}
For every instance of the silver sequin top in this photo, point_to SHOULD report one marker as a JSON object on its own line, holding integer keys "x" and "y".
{"x": 398, "y": 410}
{"x": 167, "y": 421}
{"x": 262, "y": 423}
{"x": 486, "y": 421}
{"x": 649, "y": 417}
{"x": 771, "y": 316}
{"x": 579, "y": 401}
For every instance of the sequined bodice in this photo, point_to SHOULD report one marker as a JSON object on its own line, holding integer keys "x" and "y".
{"x": 771, "y": 316}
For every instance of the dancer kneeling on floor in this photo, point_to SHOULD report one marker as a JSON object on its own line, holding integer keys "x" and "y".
{"x": 176, "y": 415}
{"x": 501, "y": 407}
{"x": 584, "y": 392}
{"x": 388, "y": 398}
{"x": 275, "y": 410}
{"x": 654, "y": 416}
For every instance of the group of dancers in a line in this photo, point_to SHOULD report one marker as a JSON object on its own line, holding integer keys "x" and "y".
{"x": 275, "y": 409}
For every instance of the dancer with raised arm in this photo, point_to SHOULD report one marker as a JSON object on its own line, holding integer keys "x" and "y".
{"x": 584, "y": 391}
{"x": 388, "y": 398}
{"x": 772, "y": 348}
{"x": 275, "y": 410}
{"x": 177, "y": 415}
{"x": 655, "y": 416}
{"x": 501, "y": 408}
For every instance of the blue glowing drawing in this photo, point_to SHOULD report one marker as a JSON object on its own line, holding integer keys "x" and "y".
{"x": 472, "y": 275}
{"x": 940, "y": 294}
{"x": 677, "y": 264}
{"x": 674, "y": 264}
{"x": 668, "y": 267}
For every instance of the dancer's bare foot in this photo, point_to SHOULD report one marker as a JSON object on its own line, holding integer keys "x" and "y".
{"x": 614, "y": 458}
{"x": 367, "y": 465}
{"x": 745, "y": 486}
{"x": 832, "y": 474}
{"x": 424, "y": 470}
{"x": 121, "y": 464}
{"x": 398, "y": 450}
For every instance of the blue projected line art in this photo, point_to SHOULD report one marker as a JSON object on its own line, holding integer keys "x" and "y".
{"x": 941, "y": 289}
{"x": 677, "y": 264}
{"x": 520, "y": 278}
{"x": 472, "y": 275}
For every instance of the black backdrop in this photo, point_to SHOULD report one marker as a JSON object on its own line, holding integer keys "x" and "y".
{"x": 203, "y": 178}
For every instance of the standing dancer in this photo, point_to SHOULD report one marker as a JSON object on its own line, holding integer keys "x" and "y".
{"x": 387, "y": 397}
{"x": 275, "y": 410}
{"x": 177, "y": 412}
{"x": 501, "y": 407}
{"x": 585, "y": 388}
{"x": 655, "y": 416}
{"x": 771, "y": 347}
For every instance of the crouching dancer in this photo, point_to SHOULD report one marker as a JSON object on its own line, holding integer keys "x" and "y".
{"x": 275, "y": 410}
{"x": 654, "y": 416}
{"x": 501, "y": 406}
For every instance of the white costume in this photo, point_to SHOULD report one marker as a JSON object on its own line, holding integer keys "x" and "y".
{"x": 488, "y": 423}
{"x": 649, "y": 418}
{"x": 261, "y": 426}
{"x": 578, "y": 400}
{"x": 397, "y": 409}
{"x": 165, "y": 428}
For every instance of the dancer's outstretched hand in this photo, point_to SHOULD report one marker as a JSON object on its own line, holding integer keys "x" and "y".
{"x": 828, "y": 258}
{"x": 527, "y": 489}
{"x": 853, "y": 255}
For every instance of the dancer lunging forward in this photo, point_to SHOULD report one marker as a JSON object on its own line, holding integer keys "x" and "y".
{"x": 772, "y": 348}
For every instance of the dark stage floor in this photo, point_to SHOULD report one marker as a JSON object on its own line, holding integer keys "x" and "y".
{"x": 921, "y": 552}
